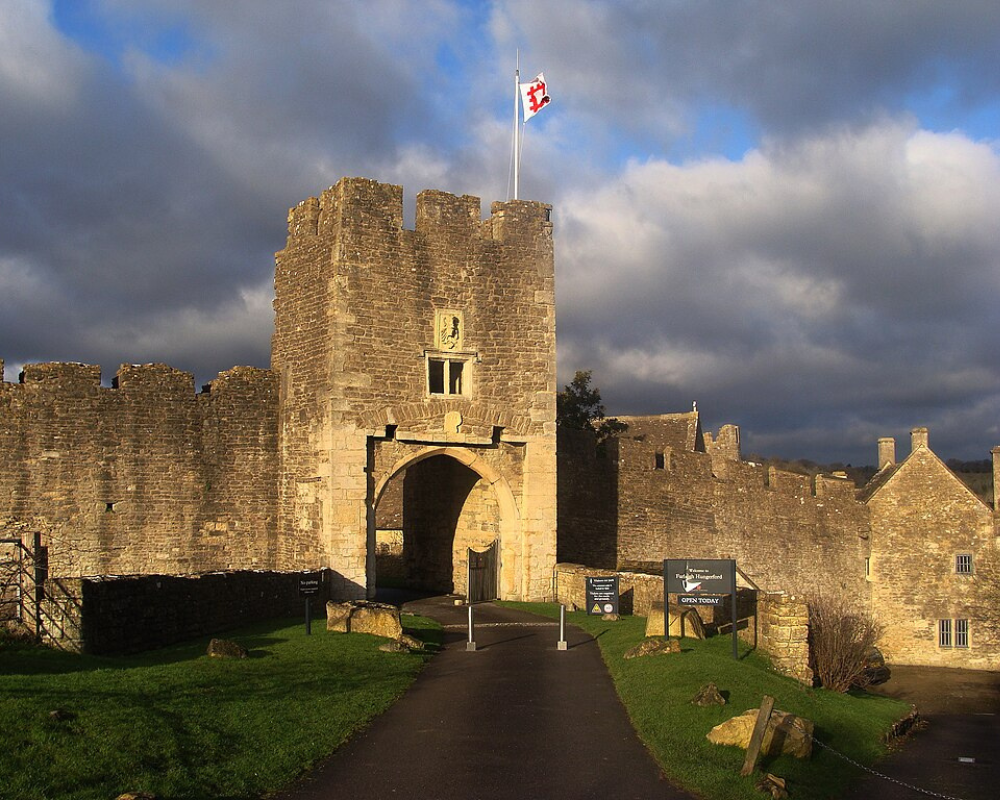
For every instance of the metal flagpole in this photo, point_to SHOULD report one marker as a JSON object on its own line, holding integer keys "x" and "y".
{"x": 517, "y": 100}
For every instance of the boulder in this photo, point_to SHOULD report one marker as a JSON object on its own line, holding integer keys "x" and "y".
{"x": 786, "y": 733}
{"x": 226, "y": 648}
{"x": 136, "y": 796}
{"x": 683, "y": 622}
{"x": 708, "y": 695}
{"x": 653, "y": 647}
{"x": 338, "y": 616}
{"x": 379, "y": 619}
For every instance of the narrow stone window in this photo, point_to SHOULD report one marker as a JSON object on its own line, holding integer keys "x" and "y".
{"x": 963, "y": 563}
{"x": 961, "y": 633}
{"x": 109, "y": 507}
{"x": 661, "y": 462}
{"x": 868, "y": 568}
{"x": 944, "y": 633}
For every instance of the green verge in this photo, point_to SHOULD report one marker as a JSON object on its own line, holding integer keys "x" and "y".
{"x": 178, "y": 724}
{"x": 657, "y": 691}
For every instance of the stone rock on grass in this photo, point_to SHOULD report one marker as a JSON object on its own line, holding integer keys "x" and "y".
{"x": 786, "y": 733}
{"x": 653, "y": 647}
{"x": 226, "y": 648}
{"x": 683, "y": 622}
{"x": 772, "y": 785}
{"x": 379, "y": 619}
{"x": 338, "y": 616}
{"x": 136, "y": 796}
{"x": 404, "y": 644}
{"x": 708, "y": 695}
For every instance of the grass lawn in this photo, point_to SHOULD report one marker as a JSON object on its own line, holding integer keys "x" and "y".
{"x": 657, "y": 692}
{"x": 178, "y": 724}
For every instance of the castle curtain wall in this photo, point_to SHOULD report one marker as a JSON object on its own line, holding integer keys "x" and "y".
{"x": 785, "y": 534}
{"x": 144, "y": 476}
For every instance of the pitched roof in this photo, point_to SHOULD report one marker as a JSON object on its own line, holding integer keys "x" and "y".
{"x": 676, "y": 431}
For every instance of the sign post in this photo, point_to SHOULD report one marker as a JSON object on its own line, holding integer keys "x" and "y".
{"x": 308, "y": 586}
{"x": 602, "y": 594}
{"x": 700, "y": 582}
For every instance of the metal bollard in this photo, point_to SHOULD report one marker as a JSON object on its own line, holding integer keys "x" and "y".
{"x": 562, "y": 628}
{"x": 470, "y": 645}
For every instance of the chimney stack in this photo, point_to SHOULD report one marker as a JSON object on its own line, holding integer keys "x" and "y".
{"x": 886, "y": 452}
{"x": 918, "y": 438}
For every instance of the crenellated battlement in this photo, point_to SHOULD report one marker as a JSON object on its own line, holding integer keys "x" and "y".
{"x": 362, "y": 206}
{"x": 57, "y": 376}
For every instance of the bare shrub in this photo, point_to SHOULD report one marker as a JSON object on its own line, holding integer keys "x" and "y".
{"x": 842, "y": 639}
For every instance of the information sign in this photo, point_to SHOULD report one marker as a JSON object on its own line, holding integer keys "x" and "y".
{"x": 699, "y": 576}
{"x": 701, "y": 582}
{"x": 309, "y": 586}
{"x": 602, "y": 594}
{"x": 700, "y": 599}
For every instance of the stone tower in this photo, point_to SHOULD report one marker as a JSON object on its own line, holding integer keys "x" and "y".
{"x": 424, "y": 356}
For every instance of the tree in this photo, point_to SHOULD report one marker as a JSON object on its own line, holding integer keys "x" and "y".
{"x": 579, "y": 406}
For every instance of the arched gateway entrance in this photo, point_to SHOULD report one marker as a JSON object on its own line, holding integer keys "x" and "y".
{"x": 429, "y": 509}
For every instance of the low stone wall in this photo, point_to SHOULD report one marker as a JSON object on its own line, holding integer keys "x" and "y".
{"x": 129, "y": 614}
{"x": 783, "y": 633}
{"x": 776, "y": 623}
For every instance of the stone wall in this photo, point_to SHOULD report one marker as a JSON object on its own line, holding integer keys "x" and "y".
{"x": 116, "y": 615}
{"x": 144, "y": 476}
{"x": 782, "y": 632}
{"x": 650, "y": 501}
{"x": 777, "y": 624}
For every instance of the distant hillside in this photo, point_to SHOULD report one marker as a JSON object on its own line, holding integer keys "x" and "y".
{"x": 977, "y": 475}
{"x": 803, "y": 466}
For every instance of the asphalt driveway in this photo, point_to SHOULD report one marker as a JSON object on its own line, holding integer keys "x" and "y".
{"x": 955, "y": 751}
{"x": 517, "y": 718}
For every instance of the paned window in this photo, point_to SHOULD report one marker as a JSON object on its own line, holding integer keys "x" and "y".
{"x": 953, "y": 633}
{"x": 963, "y": 563}
{"x": 445, "y": 376}
{"x": 961, "y": 633}
{"x": 944, "y": 633}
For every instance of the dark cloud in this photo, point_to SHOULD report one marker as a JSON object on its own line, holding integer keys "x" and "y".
{"x": 834, "y": 284}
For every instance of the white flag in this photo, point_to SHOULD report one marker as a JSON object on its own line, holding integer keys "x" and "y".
{"x": 534, "y": 96}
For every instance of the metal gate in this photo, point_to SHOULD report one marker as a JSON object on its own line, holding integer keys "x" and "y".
{"x": 483, "y": 564}
{"x": 23, "y": 570}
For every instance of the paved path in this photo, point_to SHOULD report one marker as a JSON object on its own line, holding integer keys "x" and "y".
{"x": 517, "y": 718}
{"x": 956, "y": 752}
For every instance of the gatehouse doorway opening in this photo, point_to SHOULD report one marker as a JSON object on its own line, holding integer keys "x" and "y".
{"x": 428, "y": 517}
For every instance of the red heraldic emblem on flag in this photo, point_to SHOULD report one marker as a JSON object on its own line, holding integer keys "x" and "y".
{"x": 534, "y": 96}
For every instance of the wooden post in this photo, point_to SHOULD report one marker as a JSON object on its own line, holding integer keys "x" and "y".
{"x": 757, "y": 738}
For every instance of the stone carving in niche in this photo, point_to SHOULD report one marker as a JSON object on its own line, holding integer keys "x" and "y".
{"x": 449, "y": 328}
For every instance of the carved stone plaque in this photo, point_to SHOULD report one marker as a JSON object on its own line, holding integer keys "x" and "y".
{"x": 449, "y": 329}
